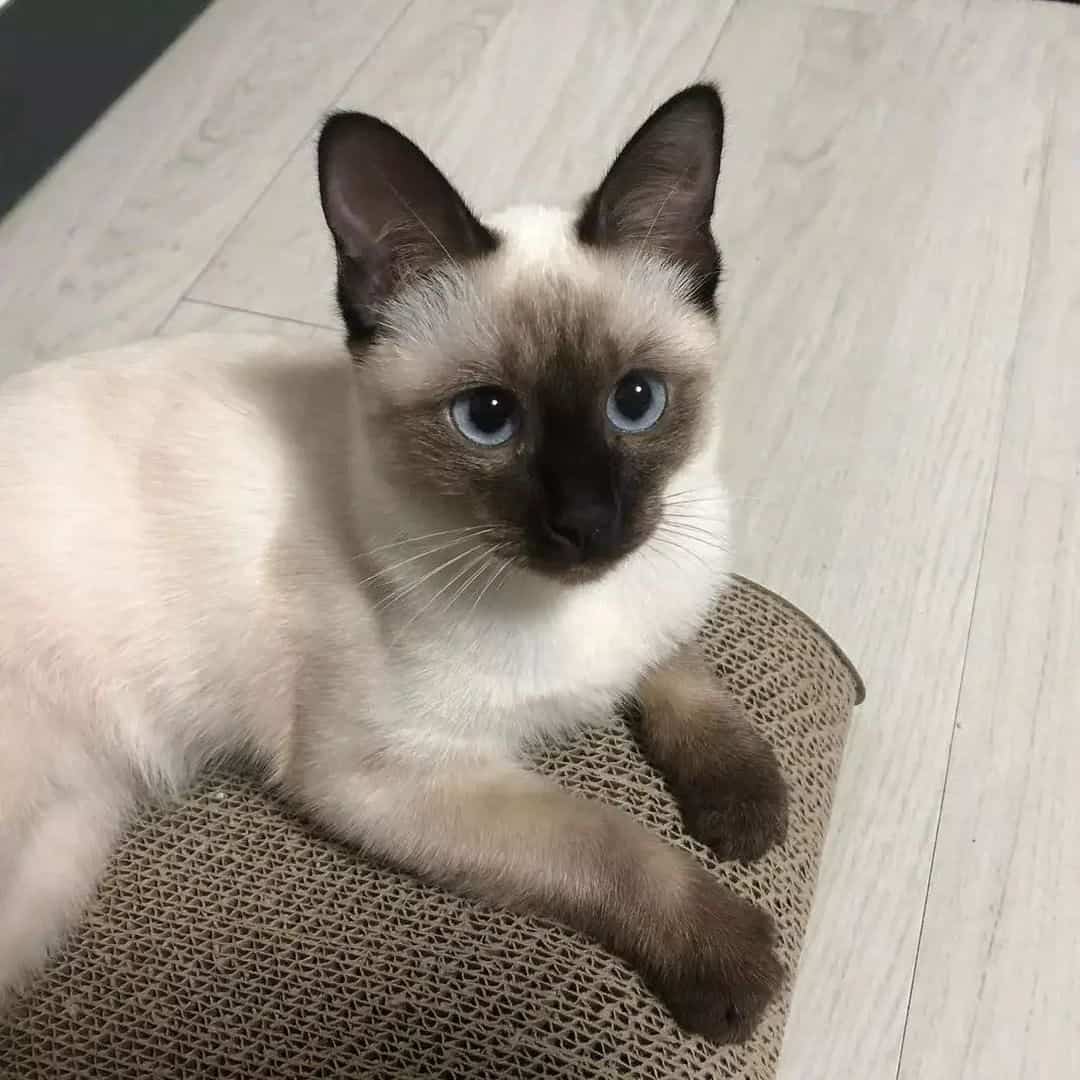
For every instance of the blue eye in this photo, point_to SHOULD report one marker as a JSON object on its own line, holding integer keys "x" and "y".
{"x": 487, "y": 415}
{"x": 637, "y": 402}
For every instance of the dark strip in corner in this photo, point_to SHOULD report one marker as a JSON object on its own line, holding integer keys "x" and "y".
{"x": 62, "y": 64}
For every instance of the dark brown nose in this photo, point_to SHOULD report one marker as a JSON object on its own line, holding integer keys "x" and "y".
{"x": 583, "y": 527}
{"x": 580, "y": 517}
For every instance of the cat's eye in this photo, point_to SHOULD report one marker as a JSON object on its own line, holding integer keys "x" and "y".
{"x": 637, "y": 402}
{"x": 488, "y": 415}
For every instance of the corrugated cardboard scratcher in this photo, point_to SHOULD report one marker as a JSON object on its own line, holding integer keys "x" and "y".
{"x": 229, "y": 941}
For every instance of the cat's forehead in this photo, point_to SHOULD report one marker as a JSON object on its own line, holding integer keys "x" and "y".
{"x": 544, "y": 308}
{"x": 536, "y": 236}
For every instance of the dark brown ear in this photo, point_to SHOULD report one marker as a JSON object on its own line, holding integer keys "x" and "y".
{"x": 394, "y": 216}
{"x": 658, "y": 196}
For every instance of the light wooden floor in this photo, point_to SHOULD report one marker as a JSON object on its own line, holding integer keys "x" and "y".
{"x": 901, "y": 216}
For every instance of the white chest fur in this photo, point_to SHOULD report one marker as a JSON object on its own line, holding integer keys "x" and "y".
{"x": 537, "y": 659}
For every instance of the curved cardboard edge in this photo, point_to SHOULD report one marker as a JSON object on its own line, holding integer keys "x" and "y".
{"x": 857, "y": 679}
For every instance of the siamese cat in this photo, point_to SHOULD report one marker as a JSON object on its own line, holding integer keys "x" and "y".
{"x": 384, "y": 571}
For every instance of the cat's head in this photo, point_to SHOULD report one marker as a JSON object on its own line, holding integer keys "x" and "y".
{"x": 543, "y": 381}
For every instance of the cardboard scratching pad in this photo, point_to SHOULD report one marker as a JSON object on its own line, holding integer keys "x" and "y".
{"x": 229, "y": 941}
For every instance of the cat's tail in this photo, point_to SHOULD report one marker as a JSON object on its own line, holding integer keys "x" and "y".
{"x": 49, "y": 866}
{"x": 61, "y": 810}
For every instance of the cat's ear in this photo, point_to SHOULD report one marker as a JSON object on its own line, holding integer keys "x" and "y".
{"x": 393, "y": 214}
{"x": 658, "y": 196}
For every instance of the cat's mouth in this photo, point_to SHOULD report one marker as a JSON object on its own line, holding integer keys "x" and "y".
{"x": 573, "y": 573}
{"x": 579, "y": 562}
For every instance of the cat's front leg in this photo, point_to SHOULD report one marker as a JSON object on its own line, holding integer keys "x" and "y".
{"x": 723, "y": 774}
{"x": 505, "y": 835}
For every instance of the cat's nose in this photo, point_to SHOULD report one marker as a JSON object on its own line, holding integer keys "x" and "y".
{"x": 583, "y": 529}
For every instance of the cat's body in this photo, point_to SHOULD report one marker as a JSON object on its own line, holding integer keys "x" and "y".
{"x": 223, "y": 544}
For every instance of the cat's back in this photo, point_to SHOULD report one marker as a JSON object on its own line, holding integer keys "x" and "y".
{"x": 197, "y": 398}
{"x": 124, "y": 392}
{"x": 136, "y": 472}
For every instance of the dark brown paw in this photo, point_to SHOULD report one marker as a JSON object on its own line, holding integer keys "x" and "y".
{"x": 723, "y": 774}
{"x": 739, "y": 805}
{"x": 723, "y": 991}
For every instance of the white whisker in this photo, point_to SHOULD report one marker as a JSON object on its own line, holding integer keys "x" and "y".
{"x": 677, "y": 522}
{"x": 666, "y": 554}
{"x": 481, "y": 558}
{"x": 507, "y": 563}
{"x": 719, "y": 497}
{"x": 468, "y": 529}
{"x": 709, "y": 529}
{"x": 394, "y": 597}
{"x": 680, "y": 547}
{"x": 696, "y": 496}
{"x": 706, "y": 541}
{"x": 413, "y": 558}
{"x": 512, "y": 563}
{"x": 473, "y": 578}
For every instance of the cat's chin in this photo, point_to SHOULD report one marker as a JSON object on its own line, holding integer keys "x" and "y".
{"x": 572, "y": 576}
{"x": 576, "y": 572}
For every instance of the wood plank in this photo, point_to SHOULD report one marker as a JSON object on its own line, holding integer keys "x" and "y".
{"x": 998, "y": 975}
{"x": 102, "y": 249}
{"x": 517, "y": 104}
{"x": 877, "y": 260}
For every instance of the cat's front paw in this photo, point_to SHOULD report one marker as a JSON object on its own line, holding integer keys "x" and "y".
{"x": 723, "y": 987}
{"x": 736, "y": 803}
{"x": 723, "y": 774}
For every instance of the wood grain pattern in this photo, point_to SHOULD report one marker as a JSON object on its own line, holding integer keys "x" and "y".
{"x": 877, "y": 259}
{"x": 518, "y": 103}
{"x": 998, "y": 978}
{"x": 103, "y": 248}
